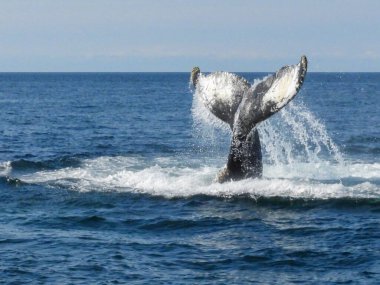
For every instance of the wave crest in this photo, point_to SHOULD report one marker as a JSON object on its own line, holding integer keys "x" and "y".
{"x": 169, "y": 177}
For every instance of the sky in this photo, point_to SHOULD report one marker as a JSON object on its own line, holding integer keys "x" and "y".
{"x": 169, "y": 36}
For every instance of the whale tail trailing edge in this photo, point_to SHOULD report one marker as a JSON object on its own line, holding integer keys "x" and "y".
{"x": 243, "y": 106}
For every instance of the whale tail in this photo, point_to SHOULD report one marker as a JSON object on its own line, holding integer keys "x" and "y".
{"x": 233, "y": 100}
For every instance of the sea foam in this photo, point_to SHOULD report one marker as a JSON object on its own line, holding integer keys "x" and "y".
{"x": 170, "y": 177}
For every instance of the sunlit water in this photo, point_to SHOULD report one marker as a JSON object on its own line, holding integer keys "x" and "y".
{"x": 108, "y": 178}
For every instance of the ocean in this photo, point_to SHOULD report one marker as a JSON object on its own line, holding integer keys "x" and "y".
{"x": 108, "y": 178}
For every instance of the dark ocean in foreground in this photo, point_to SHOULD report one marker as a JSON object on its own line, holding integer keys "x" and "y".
{"x": 107, "y": 178}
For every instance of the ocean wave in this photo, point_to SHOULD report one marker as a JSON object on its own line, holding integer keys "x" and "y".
{"x": 56, "y": 163}
{"x": 171, "y": 177}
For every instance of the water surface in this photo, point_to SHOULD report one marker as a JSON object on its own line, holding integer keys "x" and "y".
{"x": 107, "y": 178}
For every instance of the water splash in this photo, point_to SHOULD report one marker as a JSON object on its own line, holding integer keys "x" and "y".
{"x": 296, "y": 135}
{"x": 293, "y": 135}
{"x": 203, "y": 119}
{"x": 171, "y": 177}
{"x": 212, "y": 135}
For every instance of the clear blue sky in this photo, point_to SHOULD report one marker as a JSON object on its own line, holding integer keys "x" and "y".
{"x": 163, "y": 35}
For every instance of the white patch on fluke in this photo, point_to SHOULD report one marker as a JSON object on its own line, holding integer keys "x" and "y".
{"x": 283, "y": 89}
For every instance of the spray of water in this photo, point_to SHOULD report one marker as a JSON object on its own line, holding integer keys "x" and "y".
{"x": 296, "y": 135}
{"x": 212, "y": 135}
{"x": 292, "y": 136}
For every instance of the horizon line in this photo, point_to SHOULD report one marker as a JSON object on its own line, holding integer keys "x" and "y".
{"x": 2, "y": 72}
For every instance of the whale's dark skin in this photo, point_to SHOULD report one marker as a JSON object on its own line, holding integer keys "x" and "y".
{"x": 255, "y": 104}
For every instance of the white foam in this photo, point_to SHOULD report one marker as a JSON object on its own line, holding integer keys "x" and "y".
{"x": 169, "y": 177}
{"x": 5, "y": 168}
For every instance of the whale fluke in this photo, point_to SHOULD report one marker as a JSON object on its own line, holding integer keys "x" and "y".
{"x": 233, "y": 100}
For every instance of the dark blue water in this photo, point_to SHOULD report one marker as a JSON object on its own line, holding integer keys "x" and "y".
{"x": 108, "y": 179}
